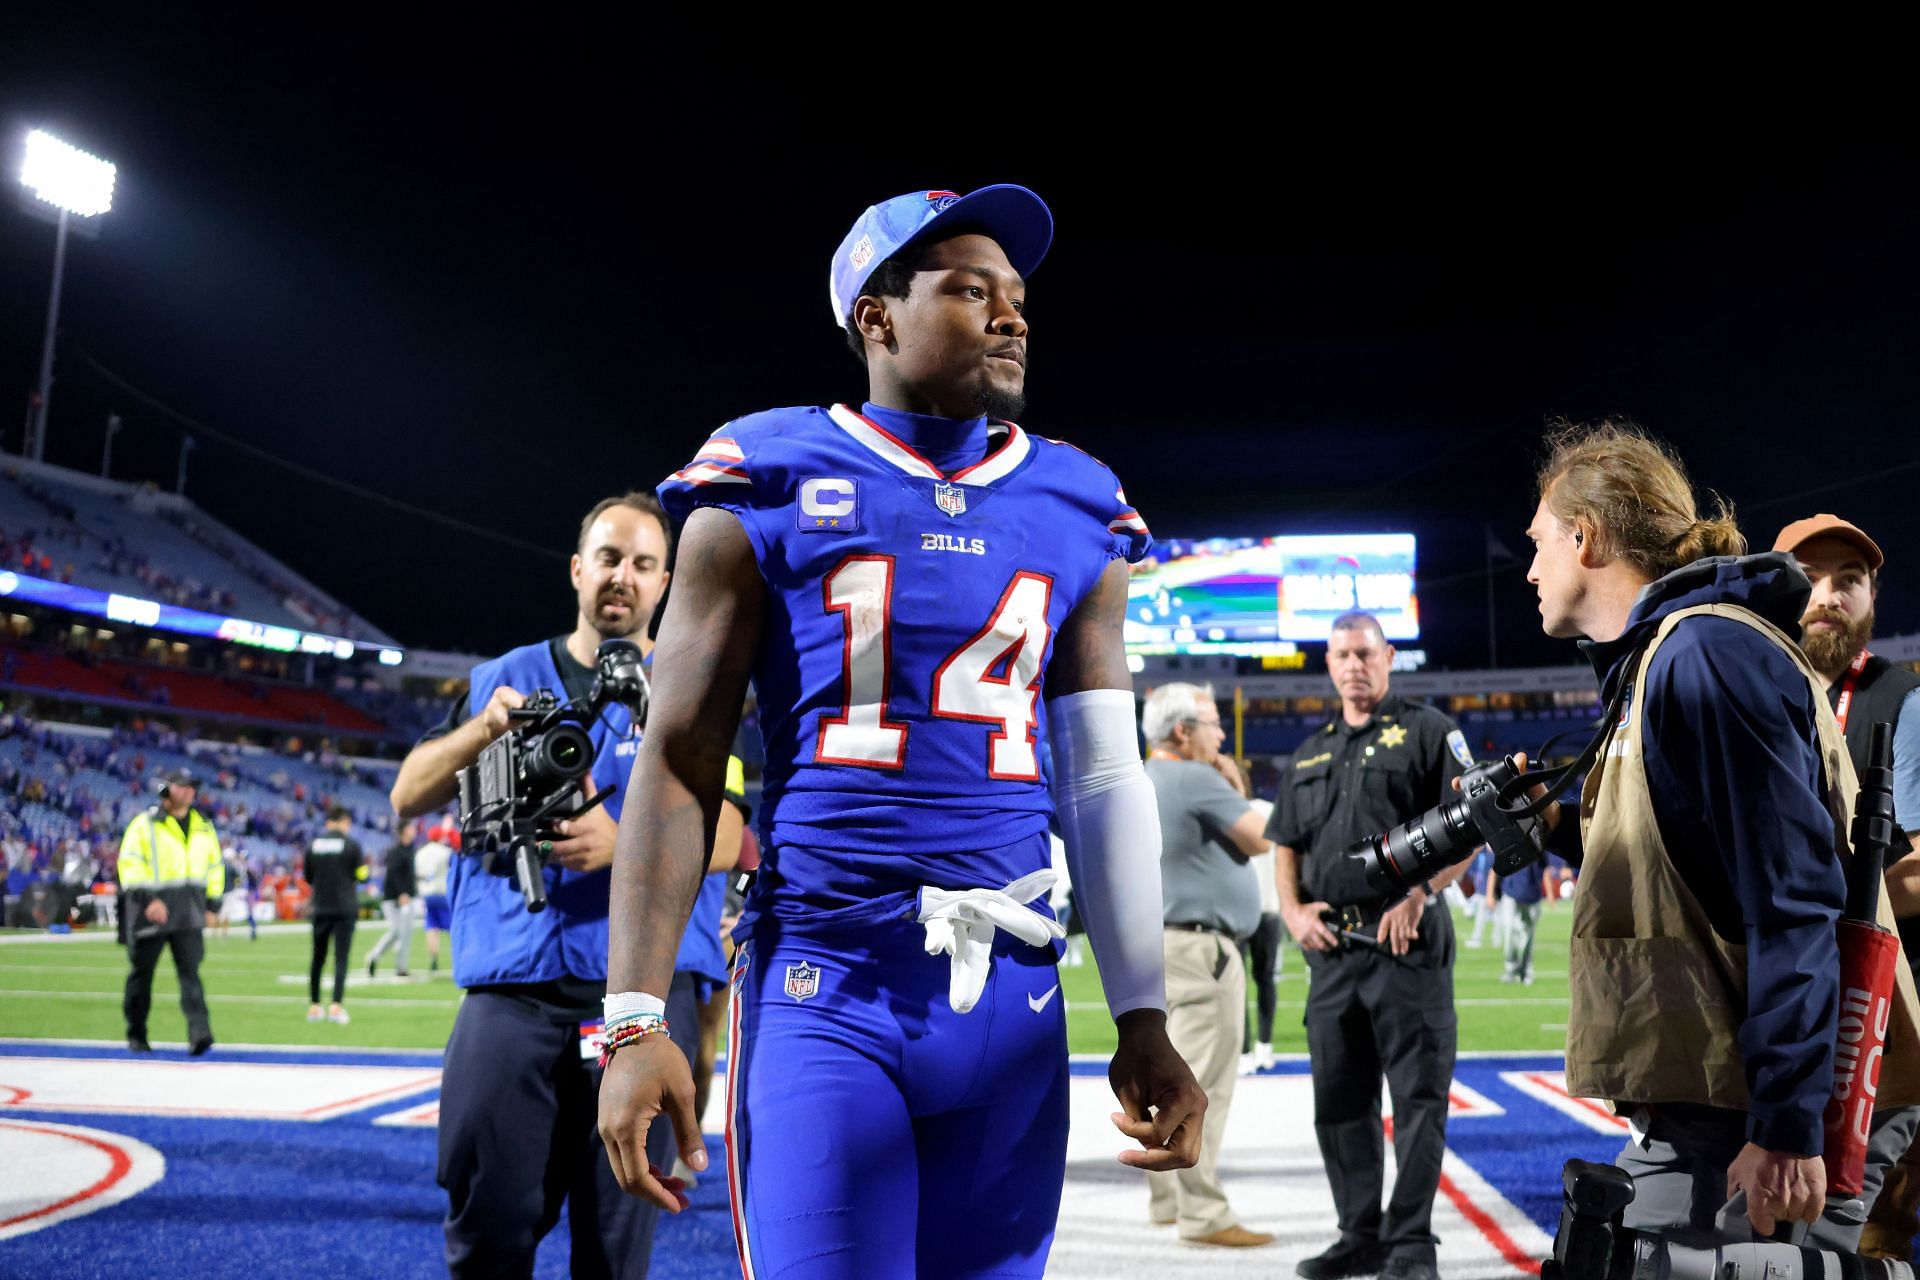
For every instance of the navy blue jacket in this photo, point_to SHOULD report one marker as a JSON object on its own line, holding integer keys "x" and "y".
{"x": 1733, "y": 763}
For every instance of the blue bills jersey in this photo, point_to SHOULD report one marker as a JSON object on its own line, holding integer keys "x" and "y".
{"x": 910, "y": 616}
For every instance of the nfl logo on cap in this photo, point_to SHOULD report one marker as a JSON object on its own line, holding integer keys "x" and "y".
{"x": 803, "y": 980}
{"x": 950, "y": 498}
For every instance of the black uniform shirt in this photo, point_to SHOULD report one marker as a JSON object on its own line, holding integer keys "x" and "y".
{"x": 398, "y": 878}
{"x": 1345, "y": 783}
{"x": 332, "y": 867}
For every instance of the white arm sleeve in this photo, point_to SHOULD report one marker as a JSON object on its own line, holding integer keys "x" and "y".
{"x": 1111, "y": 826}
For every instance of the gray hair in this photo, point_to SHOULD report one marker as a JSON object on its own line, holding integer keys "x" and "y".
{"x": 1169, "y": 705}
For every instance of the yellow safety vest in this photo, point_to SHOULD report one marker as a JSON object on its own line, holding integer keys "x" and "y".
{"x": 153, "y": 856}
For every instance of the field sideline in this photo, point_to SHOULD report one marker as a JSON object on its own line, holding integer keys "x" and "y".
{"x": 68, "y": 988}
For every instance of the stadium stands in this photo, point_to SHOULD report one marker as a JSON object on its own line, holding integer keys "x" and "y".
{"x": 134, "y": 541}
{"x": 72, "y": 791}
{"x": 120, "y": 683}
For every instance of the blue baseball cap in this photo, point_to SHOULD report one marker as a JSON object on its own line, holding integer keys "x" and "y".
{"x": 1017, "y": 220}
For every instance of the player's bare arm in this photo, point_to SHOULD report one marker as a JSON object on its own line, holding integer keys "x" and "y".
{"x": 1162, "y": 1105}
{"x": 701, "y": 665}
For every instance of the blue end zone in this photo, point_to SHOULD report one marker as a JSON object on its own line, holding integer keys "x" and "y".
{"x": 347, "y": 1198}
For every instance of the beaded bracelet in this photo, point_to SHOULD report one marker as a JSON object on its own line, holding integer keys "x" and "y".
{"x": 626, "y": 1033}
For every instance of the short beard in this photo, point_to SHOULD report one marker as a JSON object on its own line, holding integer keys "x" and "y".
{"x": 994, "y": 401}
{"x": 1005, "y": 406}
{"x": 619, "y": 630}
{"x": 1828, "y": 651}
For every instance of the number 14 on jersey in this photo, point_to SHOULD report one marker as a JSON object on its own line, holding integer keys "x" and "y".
{"x": 993, "y": 678}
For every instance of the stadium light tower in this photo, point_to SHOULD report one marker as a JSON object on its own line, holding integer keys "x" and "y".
{"x": 79, "y": 186}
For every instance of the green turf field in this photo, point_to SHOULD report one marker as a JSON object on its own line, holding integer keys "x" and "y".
{"x": 1493, "y": 1015}
{"x": 69, "y": 988}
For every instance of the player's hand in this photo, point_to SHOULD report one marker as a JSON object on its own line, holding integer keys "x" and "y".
{"x": 493, "y": 716}
{"x": 586, "y": 842}
{"x": 644, "y": 1079}
{"x": 157, "y": 911}
{"x": 1400, "y": 924}
{"x": 1309, "y": 928}
{"x": 1780, "y": 1187}
{"x": 1164, "y": 1106}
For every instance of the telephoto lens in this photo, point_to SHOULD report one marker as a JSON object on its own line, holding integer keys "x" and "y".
{"x": 1414, "y": 852}
{"x": 1592, "y": 1244}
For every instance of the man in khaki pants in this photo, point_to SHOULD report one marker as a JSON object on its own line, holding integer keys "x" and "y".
{"x": 1208, "y": 830}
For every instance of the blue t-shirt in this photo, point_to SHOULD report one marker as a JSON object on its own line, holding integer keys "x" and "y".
{"x": 917, "y": 571}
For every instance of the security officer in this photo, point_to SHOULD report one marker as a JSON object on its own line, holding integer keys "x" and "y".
{"x": 169, "y": 868}
{"x": 519, "y": 1098}
{"x": 1381, "y": 1000}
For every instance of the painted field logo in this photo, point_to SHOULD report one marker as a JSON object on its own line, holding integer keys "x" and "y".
{"x": 803, "y": 980}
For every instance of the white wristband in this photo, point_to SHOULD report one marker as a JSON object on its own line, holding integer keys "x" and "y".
{"x": 624, "y": 1005}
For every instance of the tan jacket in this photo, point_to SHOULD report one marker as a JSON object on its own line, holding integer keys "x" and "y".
{"x": 1657, "y": 996}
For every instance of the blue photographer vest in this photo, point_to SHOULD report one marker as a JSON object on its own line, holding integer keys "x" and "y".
{"x": 495, "y": 938}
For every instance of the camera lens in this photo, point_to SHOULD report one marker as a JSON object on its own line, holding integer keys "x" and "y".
{"x": 561, "y": 755}
{"x": 1422, "y": 848}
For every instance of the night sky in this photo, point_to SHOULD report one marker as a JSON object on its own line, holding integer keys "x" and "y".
{"x": 499, "y": 272}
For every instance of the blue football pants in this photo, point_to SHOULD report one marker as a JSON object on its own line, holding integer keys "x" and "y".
{"x": 872, "y": 1131}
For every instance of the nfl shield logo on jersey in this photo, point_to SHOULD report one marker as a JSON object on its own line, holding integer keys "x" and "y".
{"x": 950, "y": 498}
{"x": 803, "y": 980}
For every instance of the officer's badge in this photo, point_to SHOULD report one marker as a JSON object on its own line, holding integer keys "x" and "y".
{"x": 803, "y": 980}
{"x": 1394, "y": 735}
{"x": 950, "y": 498}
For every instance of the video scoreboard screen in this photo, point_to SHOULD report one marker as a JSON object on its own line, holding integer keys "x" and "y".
{"x": 1253, "y": 597}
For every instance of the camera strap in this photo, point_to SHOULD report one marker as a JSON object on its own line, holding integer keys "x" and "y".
{"x": 1558, "y": 780}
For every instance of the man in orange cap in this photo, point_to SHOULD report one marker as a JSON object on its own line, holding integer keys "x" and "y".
{"x": 1843, "y": 564}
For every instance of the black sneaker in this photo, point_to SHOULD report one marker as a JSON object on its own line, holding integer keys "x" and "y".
{"x": 138, "y": 1044}
{"x": 370, "y": 968}
{"x": 1348, "y": 1258}
{"x": 200, "y": 1046}
{"x": 1411, "y": 1269}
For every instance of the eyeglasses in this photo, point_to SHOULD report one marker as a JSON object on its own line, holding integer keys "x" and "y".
{"x": 1211, "y": 724}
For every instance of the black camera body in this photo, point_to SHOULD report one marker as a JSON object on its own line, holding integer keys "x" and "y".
{"x": 1593, "y": 1244}
{"x": 534, "y": 775}
{"x": 1417, "y": 850}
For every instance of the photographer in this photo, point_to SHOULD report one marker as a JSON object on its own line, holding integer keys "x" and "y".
{"x": 1705, "y": 969}
{"x": 1381, "y": 1000}
{"x": 519, "y": 1094}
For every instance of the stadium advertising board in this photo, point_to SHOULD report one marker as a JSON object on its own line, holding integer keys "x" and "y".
{"x": 1260, "y": 597}
{"x": 133, "y": 611}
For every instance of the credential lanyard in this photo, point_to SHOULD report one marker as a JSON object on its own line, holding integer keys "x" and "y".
{"x": 1845, "y": 703}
